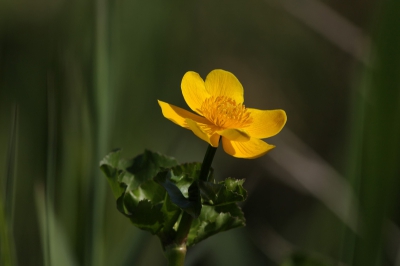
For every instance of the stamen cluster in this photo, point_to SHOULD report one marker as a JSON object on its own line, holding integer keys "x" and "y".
{"x": 224, "y": 112}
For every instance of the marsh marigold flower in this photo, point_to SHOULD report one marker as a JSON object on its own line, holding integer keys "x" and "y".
{"x": 218, "y": 101}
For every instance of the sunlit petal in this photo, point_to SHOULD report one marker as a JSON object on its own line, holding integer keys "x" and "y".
{"x": 204, "y": 132}
{"x": 193, "y": 90}
{"x": 235, "y": 134}
{"x": 178, "y": 115}
{"x": 223, "y": 83}
{"x": 247, "y": 149}
{"x": 265, "y": 123}
{"x": 219, "y": 102}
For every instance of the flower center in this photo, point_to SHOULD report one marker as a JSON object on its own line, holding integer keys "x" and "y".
{"x": 224, "y": 112}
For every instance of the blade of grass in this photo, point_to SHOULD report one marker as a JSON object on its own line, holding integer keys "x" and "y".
{"x": 61, "y": 254}
{"x": 50, "y": 173}
{"x": 7, "y": 250}
{"x": 11, "y": 170}
{"x": 380, "y": 137}
{"x": 348, "y": 241}
{"x": 6, "y": 253}
{"x": 102, "y": 111}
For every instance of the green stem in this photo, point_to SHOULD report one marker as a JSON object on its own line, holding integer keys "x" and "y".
{"x": 207, "y": 161}
{"x": 183, "y": 229}
{"x": 176, "y": 252}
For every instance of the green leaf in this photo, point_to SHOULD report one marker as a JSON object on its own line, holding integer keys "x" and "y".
{"x": 110, "y": 167}
{"x": 148, "y": 190}
{"x": 138, "y": 196}
{"x": 215, "y": 219}
{"x": 135, "y": 171}
{"x": 143, "y": 206}
{"x": 171, "y": 214}
{"x": 180, "y": 181}
{"x": 145, "y": 215}
{"x": 152, "y": 191}
{"x": 185, "y": 172}
{"x": 225, "y": 192}
{"x": 147, "y": 165}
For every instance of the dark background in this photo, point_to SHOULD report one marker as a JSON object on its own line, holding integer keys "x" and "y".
{"x": 80, "y": 78}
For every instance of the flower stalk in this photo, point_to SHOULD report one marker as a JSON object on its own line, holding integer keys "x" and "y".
{"x": 207, "y": 161}
{"x": 176, "y": 252}
{"x": 176, "y": 255}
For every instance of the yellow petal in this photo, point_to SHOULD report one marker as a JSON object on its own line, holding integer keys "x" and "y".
{"x": 247, "y": 149}
{"x": 223, "y": 83}
{"x": 193, "y": 91}
{"x": 204, "y": 132}
{"x": 178, "y": 115}
{"x": 265, "y": 123}
{"x": 235, "y": 134}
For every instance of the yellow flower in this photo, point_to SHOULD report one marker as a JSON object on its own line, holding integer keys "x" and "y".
{"x": 219, "y": 102}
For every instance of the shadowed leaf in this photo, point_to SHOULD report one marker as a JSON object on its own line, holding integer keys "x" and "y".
{"x": 225, "y": 192}
{"x": 213, "y": 220}
{"x": 182, "y": 180}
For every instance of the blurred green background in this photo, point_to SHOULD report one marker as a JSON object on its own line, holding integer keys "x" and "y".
{"x": 80, "y": 78}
